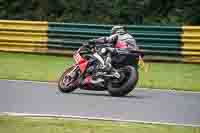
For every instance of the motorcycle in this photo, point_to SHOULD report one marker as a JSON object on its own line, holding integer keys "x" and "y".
{"x": 95, "y": 64}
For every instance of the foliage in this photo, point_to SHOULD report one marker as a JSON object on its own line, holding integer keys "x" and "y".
{"x": 167, "y": 12}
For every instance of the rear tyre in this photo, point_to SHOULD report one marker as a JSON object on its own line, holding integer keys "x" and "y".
{"x": 127, "y": 84}
{"x": 68, "y": 81}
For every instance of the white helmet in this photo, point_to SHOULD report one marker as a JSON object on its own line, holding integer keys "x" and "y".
{"x": 118, "y": 29}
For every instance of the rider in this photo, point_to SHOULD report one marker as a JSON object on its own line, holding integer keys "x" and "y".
{"x": 119, "y": 39}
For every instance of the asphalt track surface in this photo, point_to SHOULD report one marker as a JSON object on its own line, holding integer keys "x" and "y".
{"x": 142, "y": 105}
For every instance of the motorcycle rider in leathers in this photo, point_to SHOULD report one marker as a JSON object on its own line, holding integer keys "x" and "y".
{"x": 119, "y": 37}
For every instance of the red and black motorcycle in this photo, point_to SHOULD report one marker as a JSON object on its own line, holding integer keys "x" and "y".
{"x": 102, "y": 68}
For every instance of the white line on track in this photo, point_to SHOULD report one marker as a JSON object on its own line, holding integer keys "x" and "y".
{"x": 92, "y": 118}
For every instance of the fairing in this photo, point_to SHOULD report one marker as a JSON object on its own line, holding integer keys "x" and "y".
{"x": 81, "y": 61}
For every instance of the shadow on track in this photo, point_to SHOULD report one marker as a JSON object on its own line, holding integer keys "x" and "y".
{"x": 107, "y": 95}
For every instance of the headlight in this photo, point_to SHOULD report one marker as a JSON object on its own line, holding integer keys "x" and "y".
{"x": 103, "y": 50}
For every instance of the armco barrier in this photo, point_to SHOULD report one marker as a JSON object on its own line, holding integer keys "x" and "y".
{"x": 23, "y": 36}
{"x": 191, "y": 43}
{"x": 160, "y": 43}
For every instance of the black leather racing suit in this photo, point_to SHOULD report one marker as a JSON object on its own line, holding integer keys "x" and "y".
{"x": 113, "y": 39}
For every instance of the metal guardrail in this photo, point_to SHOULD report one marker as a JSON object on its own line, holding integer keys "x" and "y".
{"x": 160, "y": 43}
{"x": 23, "y": 36}
{"x": 191, "y": 43}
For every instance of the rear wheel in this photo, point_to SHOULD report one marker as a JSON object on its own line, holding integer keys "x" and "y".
{"x": 67, "y": 82}
{"x": 127, "y": 82}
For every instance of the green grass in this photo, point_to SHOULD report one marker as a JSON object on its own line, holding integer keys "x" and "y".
{"x": 37, "y": 125}
{"x": 49, "y": 68}
{"x": 171, "y": 76}
{"x": 32, "y": 67}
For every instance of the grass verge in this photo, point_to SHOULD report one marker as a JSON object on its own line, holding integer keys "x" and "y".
{"x": 34, "y": 125}
{"x": 49, "y": 68}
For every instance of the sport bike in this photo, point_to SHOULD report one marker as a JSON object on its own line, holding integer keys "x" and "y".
{"x": 103, "y": 68}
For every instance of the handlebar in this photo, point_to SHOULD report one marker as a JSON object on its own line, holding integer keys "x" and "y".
{"x": 93, "y": 47}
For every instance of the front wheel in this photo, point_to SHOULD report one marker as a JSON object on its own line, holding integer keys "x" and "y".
{"x": 127, "y": 82}
{"x": 67, "y": 82}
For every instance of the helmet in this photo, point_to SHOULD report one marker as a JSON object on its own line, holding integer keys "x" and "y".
{"x": 118, "y": 29}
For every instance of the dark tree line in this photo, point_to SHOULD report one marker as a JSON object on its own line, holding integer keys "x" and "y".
{"x": 162, "y": 12}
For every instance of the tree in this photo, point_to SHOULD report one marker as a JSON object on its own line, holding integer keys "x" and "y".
{"x": 162, "y": 12}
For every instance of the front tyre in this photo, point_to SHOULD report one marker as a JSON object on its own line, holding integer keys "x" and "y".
{"x": 122, "y": 87}
{"x": 67, "y": 82}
